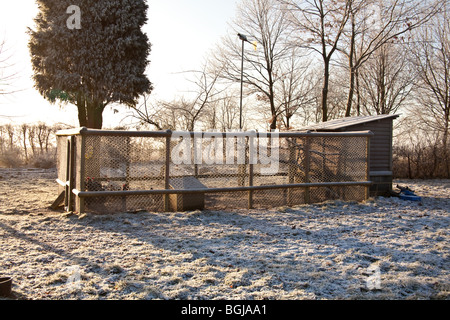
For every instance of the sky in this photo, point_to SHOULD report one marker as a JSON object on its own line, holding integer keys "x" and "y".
{"x": 181, "y": 32}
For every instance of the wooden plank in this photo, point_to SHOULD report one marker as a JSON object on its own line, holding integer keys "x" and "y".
{"x": 379, "y": 168}
{"x": 91, "y": 194}
{"x": 71, "y": 174}
{"x": 67, "y": 190}
{"x": 380, "y": 144}
{"x": 369, "y": 160}
{"x": 167, "y": 172}
{"x": 59, "y": 202}
{"x": 251, "y": 170}
{"x": 380, "y": 173}
{"x": 307, "y": 168}
{"x": 379, "y": 154}
{"x": 80, "y": 171}
{"x": 380, "y": 157}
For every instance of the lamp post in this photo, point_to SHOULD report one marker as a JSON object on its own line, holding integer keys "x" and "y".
{"x": 244, "y": 39}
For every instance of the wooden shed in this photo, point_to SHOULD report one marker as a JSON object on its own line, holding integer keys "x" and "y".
{"x": 380, "y": 145}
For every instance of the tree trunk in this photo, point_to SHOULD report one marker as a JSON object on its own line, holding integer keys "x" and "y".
{"x": 273, "y": 110}
{"x": 90, "y": 112}
{"x": 408, "y": 155}
{"x": 382, "y": 85}
{"x": 24, "y": 133}
{"x": 358, "y": 94}
{"x": 445, "y": 144}
{"x": 350, "y": 92}
{"x": 82, "y": 115}
{"x": 273, "y": 123}
{"x": 352, "y": 69}
{"x": 326, "y": 81}
{"x": 94, "y": 115}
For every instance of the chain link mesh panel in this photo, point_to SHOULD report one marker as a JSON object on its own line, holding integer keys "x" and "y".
{"x": 61, "y": 161}
{"x": 120, "y": 163}
{"x": 213, "y": 161}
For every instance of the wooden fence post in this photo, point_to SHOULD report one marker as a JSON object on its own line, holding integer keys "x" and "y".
{"x": 80, "y": 171}
{"x": 307, "y": 167}
{"x": 167, "y": 170}
{"x": 367, "y": 193}
{"x": 291, "y": 167}
{"x": 67, "y": 177}
{"x": 126, "y": 185}
{"x": 251, "y": 156}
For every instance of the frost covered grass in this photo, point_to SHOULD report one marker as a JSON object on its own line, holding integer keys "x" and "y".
{"x": 384, "y": 248}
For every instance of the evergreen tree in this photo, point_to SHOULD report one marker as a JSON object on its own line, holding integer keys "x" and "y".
{"x": 90, "y": 53}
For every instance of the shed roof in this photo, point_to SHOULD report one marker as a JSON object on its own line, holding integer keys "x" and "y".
{"x": 347, "y": 122}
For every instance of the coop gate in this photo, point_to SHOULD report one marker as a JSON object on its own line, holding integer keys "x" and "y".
{"x": 125, "y": 171}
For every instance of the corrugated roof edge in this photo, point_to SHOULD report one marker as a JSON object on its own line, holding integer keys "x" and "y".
{"x": 347, "y": 122}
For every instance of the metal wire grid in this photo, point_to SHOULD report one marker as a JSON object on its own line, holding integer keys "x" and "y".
{"x": 61, "y": 162}
{"x": 118, "y": 163}
{"x": 123, "y": 163}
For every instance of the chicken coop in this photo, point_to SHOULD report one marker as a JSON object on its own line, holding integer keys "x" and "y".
{"x": 101, "y": 171}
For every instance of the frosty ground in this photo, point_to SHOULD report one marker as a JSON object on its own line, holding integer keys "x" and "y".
{"x": 384, "y": 248}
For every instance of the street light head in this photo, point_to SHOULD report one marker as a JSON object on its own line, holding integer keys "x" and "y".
{"x": 242, "y": 37}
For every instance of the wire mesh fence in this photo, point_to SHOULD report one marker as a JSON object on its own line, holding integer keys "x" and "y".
{"x": 123, "y": 171}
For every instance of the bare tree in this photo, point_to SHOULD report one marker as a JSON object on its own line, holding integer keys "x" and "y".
{"x": 7, "y": 75}
{"x": 24, "y": 130}
{"x": 224, "y": 113}
{"x": 295, "y": 89}
{"x": 385, "y": 80}
{"x": 206, "y": 91}
{"x": 265, "y": 22}
{"x": 431, "y": 58}
{"x": 418, "y": 153}
{"x": 2, "y": 140}
{"x": 146, "y": 113}
{"x": 10, "y": 130}
{"x": 320, "y": 25}
{"x": 373, "y": 24}
{"x": 31, "y": 138}
{"x": 229, "y": 113}
{"x": 186, "y": 112}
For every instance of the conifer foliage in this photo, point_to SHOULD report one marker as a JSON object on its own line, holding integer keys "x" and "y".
{"x": 90, "y": 53}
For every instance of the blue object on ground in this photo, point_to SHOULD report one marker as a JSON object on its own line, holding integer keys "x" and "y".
{"x": 407, "y": 194}
{"x": 411, "y": 197}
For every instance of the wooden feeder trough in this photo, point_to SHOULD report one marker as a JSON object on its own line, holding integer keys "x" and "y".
{"x": 189, "y": 201}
